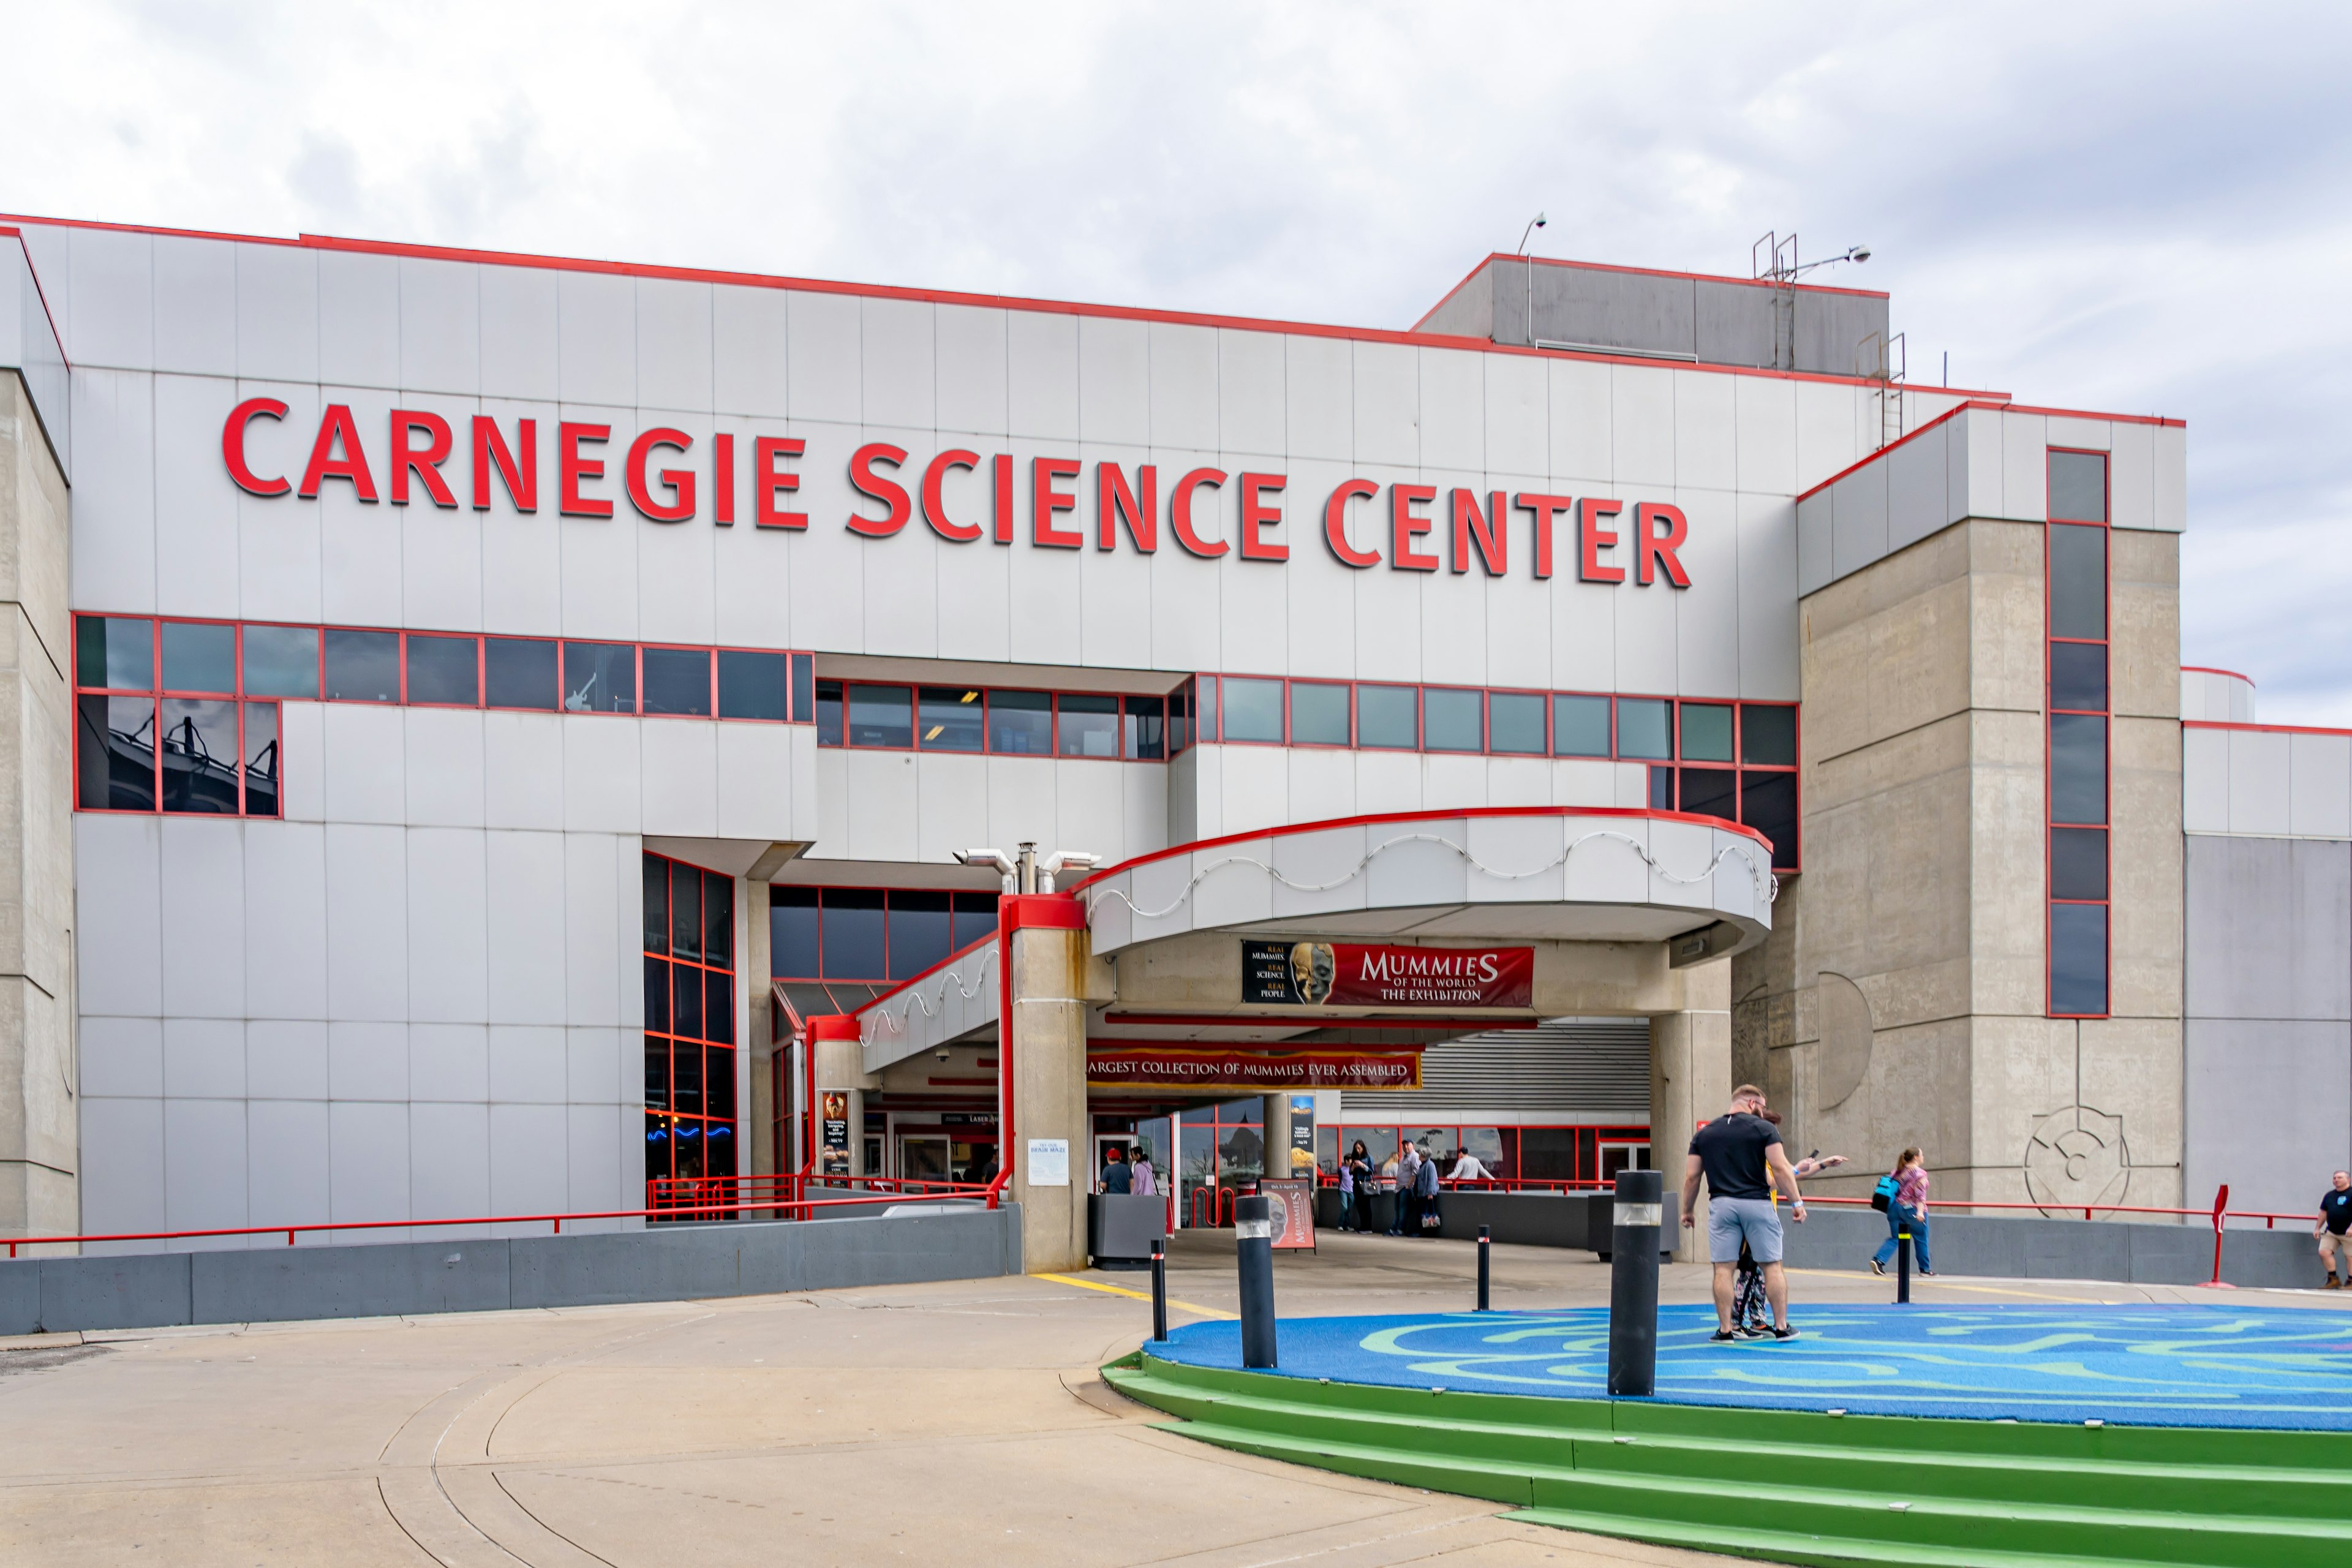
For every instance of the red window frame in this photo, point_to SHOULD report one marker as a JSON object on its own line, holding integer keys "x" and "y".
{"x": 701, "y": 1043}
{"x": 156, "y": 693}
{"x": 821, "y": 889}
{"x": 2107, "y": 825}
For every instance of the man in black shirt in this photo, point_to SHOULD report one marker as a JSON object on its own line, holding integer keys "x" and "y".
{"x": 1739, "y": 1155}
{"x": 2334, "y": 1219}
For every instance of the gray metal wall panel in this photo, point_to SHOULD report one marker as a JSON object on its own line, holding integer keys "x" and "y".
{"x": 2269, "y": 928}
{"x": 1588, "y": 1069}
{"x": 1734, "y": 323}
{"x": 1616, "y": 310}
{"x": 1469, "y": 310}
{"x": 1829, "y": 326}
{"x": 2268, "y": 1110}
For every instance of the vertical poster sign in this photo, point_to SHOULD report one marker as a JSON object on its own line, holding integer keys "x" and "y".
{"x": 1302, "y": 1135}
{"x": 1293, "y": 1203}
{"x": 833, "y": 1120}
{"x": 1049, "y": 1161}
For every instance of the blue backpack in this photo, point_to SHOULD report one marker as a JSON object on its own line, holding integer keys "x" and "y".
{"x": 1882, "y": 1196}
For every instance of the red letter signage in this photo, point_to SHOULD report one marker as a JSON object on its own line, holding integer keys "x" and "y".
{"x": 1405, "y": 525}
{"x": 1485, "y": 531}
{"x": 233, "y": 444}
{"x": 680, "y": 481}
{"x": 1545, "y": 509}
{"x": 337, "y": 430}
{"x": 572, "y": 467}
{"x": 425, "y": 464}
{"x": 1180, "y": 513}
{"x": 935, "y": 506}
{"x": 768, "y": 482}
{"x": 1660, "y": 547}
{"x": 1256, "y": 514}
{"x": 1591, "y": 538}
{"x": 1335, "y": 524}
{"x": 875, "y": 486}
{"x": 521, "y": 476}
{"x": 1137, "y": 508}
{"x": 1045, "y": 500}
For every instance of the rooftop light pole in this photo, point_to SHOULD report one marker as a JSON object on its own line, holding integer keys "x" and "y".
{"x": 1533, "y": 224}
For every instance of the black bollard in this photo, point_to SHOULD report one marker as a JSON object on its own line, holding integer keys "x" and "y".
{"x": 1484, "y": 1247}
{"x": 1634, "y": 1284}
{"x": 1903, "y": 1267}
{"x": 1254, "y": 1255}
{"x": 1160, "y": 1289}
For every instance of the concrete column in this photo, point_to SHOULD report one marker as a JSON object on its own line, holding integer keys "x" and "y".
{"x": 1277, "y": 1134}
{"x": 39, "y": 1113}
{"x": 841, "y": 1065}
{"x": 759, "y": 1137}
{"x": 1690, "y": 1081}
{"x": 1049, "y": 1088}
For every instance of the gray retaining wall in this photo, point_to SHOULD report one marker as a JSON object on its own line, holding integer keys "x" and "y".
{"x": 665, "y": 1263}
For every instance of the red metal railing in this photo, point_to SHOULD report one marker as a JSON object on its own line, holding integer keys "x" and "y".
{"x": 784, "y": 1208}
{"x": 1221, "y": 1208}
{"x": 704, "y": 1193}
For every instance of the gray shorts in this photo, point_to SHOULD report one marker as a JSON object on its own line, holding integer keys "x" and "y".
{"x": 1730, "y": 1220}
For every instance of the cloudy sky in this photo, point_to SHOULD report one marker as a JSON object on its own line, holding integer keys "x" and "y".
{"x": 2141, "y": 208}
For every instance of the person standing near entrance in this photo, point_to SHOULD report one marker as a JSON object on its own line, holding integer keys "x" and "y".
{"x": 2335, "y": 1219}
{"x": 1906, "y": 1211}
{"x": 1357, "y": 1168}
{"x": 1740, "y": 1156}
{"x": 1403, "y": 1219}
{"x": 1424, "y": 1194}
{"x": 1116, "y": 1176}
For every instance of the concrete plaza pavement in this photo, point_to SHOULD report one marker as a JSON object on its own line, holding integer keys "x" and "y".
{"x": 937, "y": 1422}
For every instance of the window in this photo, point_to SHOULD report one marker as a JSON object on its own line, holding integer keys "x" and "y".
{"x": 1388, "y": 718}
{"x": 1146, "y": 733}
{"x": 1768, "y": 734}
{"x": 1089, "y": 725}
{"x": 950, "y": 719}
{"x": 1453, "y": 720}
{"x": 444, "y": 672}
{"x": 881, "y": 716}
{"x": 921, "y": 924}
{"x": 689, "y": 1030}
{"x": 281, "y": 661}
{"x": 169, "y": 733}
{"x": 1710, "y": 792}
{"x": 1579, "y": 727}
{"x": 2079, "y": 701}
{"x": 678, "y": 681}
{"x": 1180, "y": 718}
{"x": 1706, "y": 732}
{"x": 363, "y": 667}
{"x": 1644, "y": 728}
{"x": 1253, "y": 709}
{"x": 870, "y": 934}
{"x": 855, "y": 935}
{"x": 1020, "y": 723}
{"x": 1515, "y": 723}
{"x": 753, "y": 686}
{"x": 520, "y": 672}
{"x": 1318, "y": 713}
{"x": 600, "y": 678}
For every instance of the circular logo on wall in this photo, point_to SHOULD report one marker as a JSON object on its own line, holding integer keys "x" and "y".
{"x": 1314, "y": 969}
{"x": 2077, "y": 1155}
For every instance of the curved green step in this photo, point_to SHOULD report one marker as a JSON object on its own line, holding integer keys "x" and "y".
{"x": 1796, "y": 1485}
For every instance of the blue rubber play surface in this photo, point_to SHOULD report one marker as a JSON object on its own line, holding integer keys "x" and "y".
{"x": 2168, "y": 1366}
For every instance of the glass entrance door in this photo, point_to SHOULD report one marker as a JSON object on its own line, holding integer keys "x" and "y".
{"x": 923, "y": 1156}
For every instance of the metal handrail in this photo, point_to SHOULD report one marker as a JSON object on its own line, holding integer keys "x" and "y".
{"x": 991, "y": 1193}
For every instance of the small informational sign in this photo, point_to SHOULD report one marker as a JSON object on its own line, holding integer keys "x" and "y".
{"x": 1049, "y": 1161}
{"x": 1245, "y": 1070}
{"x": 1367, "y": 974}
{"x": 1292, "y": 1206}
{"x": 1302, "y": 1135}
{"x": 834, "y": 1123}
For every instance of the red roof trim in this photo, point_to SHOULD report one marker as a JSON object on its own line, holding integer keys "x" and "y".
{"x": 1286, "y": 830}
{"x": 948, "y": 297}
{"x": 2264, "y": 728}
{"x": 1998, "y": 407}
{"x": 2216, "y": 670}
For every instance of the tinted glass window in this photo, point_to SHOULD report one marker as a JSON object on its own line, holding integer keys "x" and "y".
{"x": 1768, "y": 734}
{"x": 1089, "y": 725}
{"x": 1642, "y": 728}
{"x": 1706, "y": 732}
{"x": 112, "y": 651}
{"x": 921, "y": 927}
{"x": 656, "y": 994}
{"x": 520, "y": 672}
{"x": 753, "y": 686}
{"x": 363, "y": 667}
{"x": 2078, "y": 486}
{"x": 1452, "y": 721}
{"x": 2078, "y": 958}
{"x": 116, "y": 738}
{"x": 677, "y": 681}
{"x": 719, "y": 1019}
{"x": 443, "y": 670}
{"x": 1207, "y": 687}
{"x": 1580, "y": 726}
{"x": 656, "y": 874}
{"x": 2078, "y": 581}
{"x": 1711, "y": 792}
{"x": 953, "y": 719}
{"x": 261, "y": 759}
{"x": 685, "y": 911}
{"x": 1515, "y": 720}
{"x": 281, "y": 661}
{"x": 2078, "y": 768}
{"x": 1180, "y": 718}
{"x": 881, "y": 716}
{"x": 600, "y": 678}
{"x": 686, "y": 1011}
{"x": 1662, "y": 789}
{"x": 975, "y": 917}
{"x": 718, "y": 920}
{"x": 2078, "y": 675}
{"x": 854, "y": 945}
{"x": 1388, "y": 717}
{"x": 1020, "y": 723}
{"x": 2078, "y": 863}
{"x": 803, "y": 686}
{"x": 1318, "y": 713}
{"x": 1147, "y": 719}
{"x": 792, "y": 933}
{"x": 199, "y": 656}
{"x": 657, "y": 1083}
{"x": 200, "y": 756}
{"x": 1253, "y": 709}
{"x": 1767, "y": 803}
{"x": 828, "y": 712}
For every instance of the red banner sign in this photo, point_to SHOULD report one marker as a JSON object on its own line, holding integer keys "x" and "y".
{"x": 1359, "y": 975}
{"x": 1219, "y": 1068}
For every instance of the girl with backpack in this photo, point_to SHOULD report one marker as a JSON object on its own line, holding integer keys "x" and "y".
{"x": 1902, "y": 1193}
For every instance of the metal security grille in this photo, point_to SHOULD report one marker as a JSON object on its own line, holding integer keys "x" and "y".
{"x": 1587, "y": 1068}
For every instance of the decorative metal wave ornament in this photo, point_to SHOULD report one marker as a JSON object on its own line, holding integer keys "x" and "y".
{"x": 878, "y": 1018}
{"x": 2077, "y": 1155}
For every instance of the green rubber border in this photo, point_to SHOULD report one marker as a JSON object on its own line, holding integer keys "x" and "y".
{"x": 1797, "y": 1485}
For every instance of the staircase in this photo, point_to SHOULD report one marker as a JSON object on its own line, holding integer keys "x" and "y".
{"x": 1798, "y": 1487}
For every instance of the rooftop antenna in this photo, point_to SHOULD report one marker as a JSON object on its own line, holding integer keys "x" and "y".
{"x": 1533, "y": 224}
{"x": 1773, "y": 259}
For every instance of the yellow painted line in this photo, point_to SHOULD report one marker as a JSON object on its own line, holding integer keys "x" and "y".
{"x": 1137, "y": 1295}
